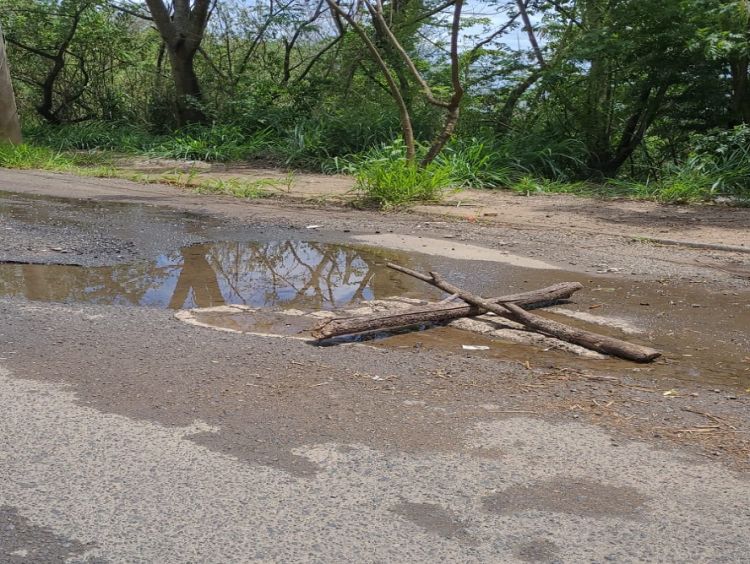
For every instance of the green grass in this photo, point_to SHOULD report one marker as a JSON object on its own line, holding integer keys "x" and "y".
{"x": 31, "y": 157}
{"x": 685, "y": 187}
{"x": 92, "y": 136}
{"x": 385, "y": 178}
{"x": 392, "y": 183}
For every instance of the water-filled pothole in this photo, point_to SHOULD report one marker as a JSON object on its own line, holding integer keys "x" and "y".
{"x": 703, "y": 335}
{"x": 300, "y": 274}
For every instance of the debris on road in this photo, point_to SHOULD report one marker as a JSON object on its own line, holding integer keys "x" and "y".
{"x": 504, "y": 307}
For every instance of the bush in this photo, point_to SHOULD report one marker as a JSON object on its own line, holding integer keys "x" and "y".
{"x": 92, "y": 135}
{"x": 215, "y": 143}
{"x": 386, "y": 178}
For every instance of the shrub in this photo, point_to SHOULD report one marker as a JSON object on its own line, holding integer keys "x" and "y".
{"x": 214, "y": 143}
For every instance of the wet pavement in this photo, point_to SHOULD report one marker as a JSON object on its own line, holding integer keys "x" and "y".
{"x": 304, "y": 274}
{"x": 130, "y": 436}
{"x": 680, "y": 320}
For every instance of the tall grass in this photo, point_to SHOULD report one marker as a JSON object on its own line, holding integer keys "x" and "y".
{"x": 93, "y": 135}
{"x": 32, "y": 157}
{"x": 385, "y": 178}
{"x": 716, "y": 164}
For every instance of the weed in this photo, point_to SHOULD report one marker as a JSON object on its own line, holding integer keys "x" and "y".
{"x": 216, "y": 143}
{"x": 30, "y": 157}
{"x": 237, "y": 187}
{"x": 386, "y": 178}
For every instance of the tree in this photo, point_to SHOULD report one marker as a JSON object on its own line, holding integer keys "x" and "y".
{"x": 391, "y": 48}
{"x": 729, "y": 41}
{"x": 66, "y": 55}
{"x": 10, "y": 129}
{"x": 620, "y": 72}
{"x": 54, "y": 28}
{"x": 182, "y": 26}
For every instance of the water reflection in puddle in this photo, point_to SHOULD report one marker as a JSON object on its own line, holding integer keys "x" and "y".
{"x": 279, "y": 273}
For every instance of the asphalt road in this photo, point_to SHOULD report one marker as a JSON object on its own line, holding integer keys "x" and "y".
{"x": 128, "y": 436}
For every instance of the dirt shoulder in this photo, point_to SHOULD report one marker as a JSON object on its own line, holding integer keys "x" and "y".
{"x": 587, "y": 236}
{"x": 702, "y": 224}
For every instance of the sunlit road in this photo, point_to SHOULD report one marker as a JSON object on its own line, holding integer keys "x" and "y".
{"x": 128, "y": 436}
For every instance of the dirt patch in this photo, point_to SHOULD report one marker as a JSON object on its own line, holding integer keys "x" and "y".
{"x": 585, "y": 498}
{"x": 290, "y": 184}
{"x": 717, "y": 224}
{"x": 434, "y": 518}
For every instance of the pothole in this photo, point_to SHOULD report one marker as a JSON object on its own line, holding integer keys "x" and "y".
{"x": 302, "y": 274}
{"x": 285, "y": 287}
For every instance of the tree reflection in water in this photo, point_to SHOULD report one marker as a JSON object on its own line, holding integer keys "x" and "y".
{"x": 292, "y": 273}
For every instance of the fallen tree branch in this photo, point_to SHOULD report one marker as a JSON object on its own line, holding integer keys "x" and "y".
{"x": 587, "y": 339}
{"x": 439, "y": 312}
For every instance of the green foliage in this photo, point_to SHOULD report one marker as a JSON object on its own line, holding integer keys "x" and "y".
{"x": 385, "y": 178}
{"x": 215, "y": 143}
{"x": 33, "y": 157}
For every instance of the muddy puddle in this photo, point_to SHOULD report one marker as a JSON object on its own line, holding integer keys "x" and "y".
{"x": 298, "y": 274}
{"x": 704, "y": 334}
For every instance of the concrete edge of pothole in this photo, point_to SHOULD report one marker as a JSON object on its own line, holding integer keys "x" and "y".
{"x": 509, "y": 333}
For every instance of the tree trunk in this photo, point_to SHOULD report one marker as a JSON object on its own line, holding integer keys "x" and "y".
{"x": 10, "y": 128}
{"x": 188, "y": 95}
{"x": 182, "y": 26}
{"x": 740, "y": 104}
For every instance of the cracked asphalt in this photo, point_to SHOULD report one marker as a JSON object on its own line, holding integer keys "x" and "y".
{"x": 129, "y": 436}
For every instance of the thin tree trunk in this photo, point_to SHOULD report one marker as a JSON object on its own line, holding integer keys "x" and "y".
{"x": 522, "y": 5}
{"x": 10, "y": 128}
{"x": 407, "y": 131}
{"x": 740, "y": 70}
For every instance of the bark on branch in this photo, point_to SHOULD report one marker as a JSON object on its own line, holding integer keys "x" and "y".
{"x": 439, "y": 312}
{"x": 587, "y": 339}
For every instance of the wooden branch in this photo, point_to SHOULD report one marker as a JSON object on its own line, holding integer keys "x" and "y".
{"x": 439, "y": 312}
{"x": 376, "y": 11}
{"x": 587, "y": 339}
{"x": 407, "y": 129}
{"x": 522, "y": 9}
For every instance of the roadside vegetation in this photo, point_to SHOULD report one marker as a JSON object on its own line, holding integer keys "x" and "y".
{"x": 412, "y": 98}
